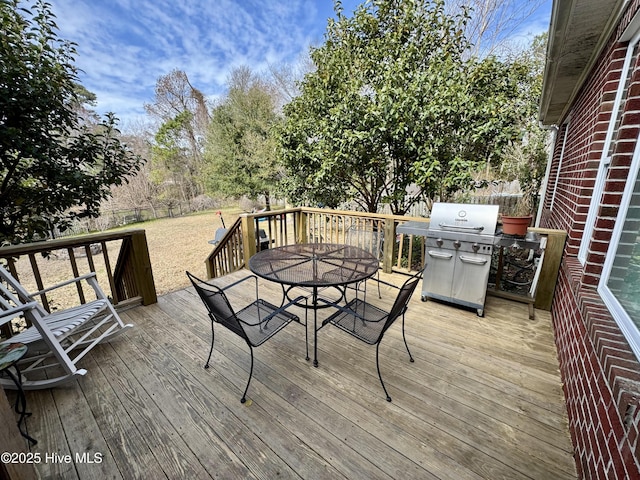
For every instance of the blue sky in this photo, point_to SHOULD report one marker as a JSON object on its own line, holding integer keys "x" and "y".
{"x": 124, "y": 46}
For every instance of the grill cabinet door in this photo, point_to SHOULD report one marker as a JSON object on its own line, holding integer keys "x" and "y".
{"x": 438, "y": 275}
{"x": 470, "y": 279}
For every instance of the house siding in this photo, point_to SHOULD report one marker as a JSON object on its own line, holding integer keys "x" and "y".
{"x": 600, "y": 372}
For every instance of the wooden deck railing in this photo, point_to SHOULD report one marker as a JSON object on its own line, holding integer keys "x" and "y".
{"x": 301, "y": 225}
{"x": 228, "y": 255}
{"x": 41, "y": 264}
{"x": 373, "y": 232}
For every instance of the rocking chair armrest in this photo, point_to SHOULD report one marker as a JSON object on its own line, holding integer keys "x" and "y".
{"x": 62, "y": 284}
{"x": 10, "y": 313}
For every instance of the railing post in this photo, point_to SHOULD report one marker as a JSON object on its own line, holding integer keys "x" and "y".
{"x": 142, "y": 268}
{"x": 389, "y": 243}
{"x": 248, "y": 237}
{"x": 550, "y": 268}
{"x": 301, "y": 234}
{"x": 211, "y": 271}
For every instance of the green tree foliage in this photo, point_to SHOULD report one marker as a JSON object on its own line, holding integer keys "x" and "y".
{"x": 240, "y": 149}
{"x": 173, "y": 168}
{"x": 395, "y": 105}
{"x": 178, "y": 144}
{"x": 83, "y": 106}
{"x": 52, "y": 168}
{"x": 526, "y": 160}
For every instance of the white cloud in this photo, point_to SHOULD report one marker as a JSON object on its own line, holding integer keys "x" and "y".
{"x": 124, "y": 46}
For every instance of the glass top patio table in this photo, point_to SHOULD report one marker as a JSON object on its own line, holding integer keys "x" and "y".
{"x": 314, "y": 265}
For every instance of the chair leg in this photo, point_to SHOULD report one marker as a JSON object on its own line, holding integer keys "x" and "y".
{"x": 306, "y": 332}
{"x": 405, "y": 341}
{"x": 244, "y": 395}
{"x": 206, "y": 365}
{"x": 379, "y": 374}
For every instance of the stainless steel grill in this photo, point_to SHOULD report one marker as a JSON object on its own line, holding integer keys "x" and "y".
{"x": 459, "y": 245}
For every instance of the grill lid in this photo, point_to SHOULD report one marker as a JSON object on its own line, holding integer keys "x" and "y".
{"x": 461, "y": 218}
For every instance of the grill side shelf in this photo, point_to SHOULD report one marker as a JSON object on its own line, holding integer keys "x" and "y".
{"x": 413, "y": 228}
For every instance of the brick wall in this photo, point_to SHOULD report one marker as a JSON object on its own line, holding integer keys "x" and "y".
{"x": 599, "y": 381}
{"x": 601, "y": 374}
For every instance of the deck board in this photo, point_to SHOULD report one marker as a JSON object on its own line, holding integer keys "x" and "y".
{"x": 482, "y": 400}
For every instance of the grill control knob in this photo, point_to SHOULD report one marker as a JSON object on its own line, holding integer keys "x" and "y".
{"x": 439, "y": 242}
{"x": 475, "y": 247}
{"x": 457, "y": 244}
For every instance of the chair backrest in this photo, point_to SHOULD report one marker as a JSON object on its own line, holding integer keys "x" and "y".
{"x": 402, "y": 300}
{"x": 14, "y": 298}
{"x": 9, "y": 280}
{"x": 218, "y": 306}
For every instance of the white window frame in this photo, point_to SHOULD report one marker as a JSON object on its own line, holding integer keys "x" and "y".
{"x": 605, "y": 159}
{"x": 624, "y": 321}
{"x": 555, "y": 183}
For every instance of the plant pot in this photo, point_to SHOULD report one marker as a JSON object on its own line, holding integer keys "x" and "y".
{"x": 516, "y": 225}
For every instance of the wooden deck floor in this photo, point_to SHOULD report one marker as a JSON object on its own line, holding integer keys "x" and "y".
{"x": 482, "y": 400}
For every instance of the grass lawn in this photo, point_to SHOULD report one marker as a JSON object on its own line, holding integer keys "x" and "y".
{"x": 180, "y": 244}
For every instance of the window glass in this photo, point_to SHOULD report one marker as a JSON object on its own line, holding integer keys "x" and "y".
{"x": 624, "y": 277}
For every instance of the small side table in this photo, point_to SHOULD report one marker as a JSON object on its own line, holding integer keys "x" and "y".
{"x": 10, "y": 354}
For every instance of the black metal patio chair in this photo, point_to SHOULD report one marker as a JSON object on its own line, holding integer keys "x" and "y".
{"x": 368, "y": 323}
{"x": 255, "y": 323}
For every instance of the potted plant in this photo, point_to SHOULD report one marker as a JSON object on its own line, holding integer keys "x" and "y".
{"x": 516, "y": 220}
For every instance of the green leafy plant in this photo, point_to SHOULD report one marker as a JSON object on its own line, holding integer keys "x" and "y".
{"x": 53, "y": 166}
{"x": 526, "y": 159}
{"x": 396, "y": 105}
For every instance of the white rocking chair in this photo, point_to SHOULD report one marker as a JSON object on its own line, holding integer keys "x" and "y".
{"x": 57, "y": 341}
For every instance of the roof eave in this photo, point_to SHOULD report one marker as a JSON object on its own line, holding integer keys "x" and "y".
{"x": 578, "y": 31}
